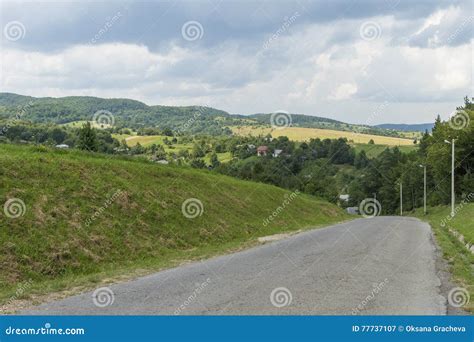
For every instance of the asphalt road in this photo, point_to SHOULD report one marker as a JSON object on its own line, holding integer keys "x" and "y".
{"x": 383, "y": 265}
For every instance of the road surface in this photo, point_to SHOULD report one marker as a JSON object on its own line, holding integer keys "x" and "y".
{"x": 383, "y": 265}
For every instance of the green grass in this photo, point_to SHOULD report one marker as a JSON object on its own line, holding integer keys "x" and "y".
{"x": 461, "y": 261}
{"x": 148, "y": 140}
{"x": 140, "y": 231}
{"x": 223, "y": 157}
{"x": 373, "y": 151}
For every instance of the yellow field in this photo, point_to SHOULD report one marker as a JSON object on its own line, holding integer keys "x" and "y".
{"x": 304, "y": 134}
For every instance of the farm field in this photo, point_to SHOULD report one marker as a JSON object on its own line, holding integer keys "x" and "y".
{"x": 223, "y": 157}
{"x": 148, "y": 140}
{"x": 303, "y": 134}
{"x": 373, "y": 151}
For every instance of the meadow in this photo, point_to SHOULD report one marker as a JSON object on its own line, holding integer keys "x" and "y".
{"x": 304, "y": 134}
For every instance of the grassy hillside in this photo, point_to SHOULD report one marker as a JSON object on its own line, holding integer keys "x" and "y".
{"x": 89, "y": 217}
{"x": 459, "y": 258}
{"x": 303, "y": 134}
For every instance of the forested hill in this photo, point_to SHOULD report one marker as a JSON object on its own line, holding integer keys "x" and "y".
{"x": 408, "y": 127}
{"x": 310, "y": 121}
{"x": 135, "y": 114}
{"x": 125, "y": 112}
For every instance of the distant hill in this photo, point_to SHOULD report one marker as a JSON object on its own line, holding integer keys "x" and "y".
{"x": 126, "y": 113}
{"x": 135, "y": 114}
{"x": 408, "y": 127}
{"x": 310, "y": 121}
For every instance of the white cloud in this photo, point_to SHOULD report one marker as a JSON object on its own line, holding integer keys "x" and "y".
{"x": 309, "y": 69}
{"x": 343, "y": 92}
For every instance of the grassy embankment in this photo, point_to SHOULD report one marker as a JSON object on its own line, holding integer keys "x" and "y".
{"x": 461, "y": 261}
{"x": 141, "y": 230}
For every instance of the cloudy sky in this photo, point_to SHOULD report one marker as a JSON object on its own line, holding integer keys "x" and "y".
{"x": 366, "y": 62}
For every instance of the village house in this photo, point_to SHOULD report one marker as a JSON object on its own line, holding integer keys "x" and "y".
{"x": 262, "y": 151}
{"x": 276, "y": 153}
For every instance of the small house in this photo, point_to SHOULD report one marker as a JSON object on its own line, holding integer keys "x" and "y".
{"x": 262, "y": 151}
{"x": 344, "y": 198}
{"x": 276, "y": 153}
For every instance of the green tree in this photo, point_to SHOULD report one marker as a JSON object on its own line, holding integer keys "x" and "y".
{"x": 361, "y": 161}
{"x": 215, "y": 161}
{"x": 88, "y": 138}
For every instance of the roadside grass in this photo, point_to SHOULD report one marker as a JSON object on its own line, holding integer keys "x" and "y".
{"x": 304, "y": 134}
{"x": 140, "y": 231}
{"x": 460, "y": 260}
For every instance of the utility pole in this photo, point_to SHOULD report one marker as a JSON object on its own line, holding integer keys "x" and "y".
{"x": 452, "y": 175}
{"x": 424, "y": 187}
{"x": 401, "y": 198}
{"x": 375, "y": 204}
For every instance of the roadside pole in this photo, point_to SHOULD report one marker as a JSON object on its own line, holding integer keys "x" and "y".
{"x": 401, "y": 198}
